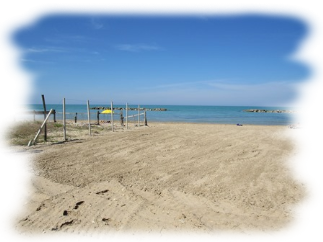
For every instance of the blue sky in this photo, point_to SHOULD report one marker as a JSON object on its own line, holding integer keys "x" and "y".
{"x": 185, "y": 60}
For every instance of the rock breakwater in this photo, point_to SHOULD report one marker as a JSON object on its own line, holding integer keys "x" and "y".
{"x": 132, "y": 109}
{"x": 267, "y": 111}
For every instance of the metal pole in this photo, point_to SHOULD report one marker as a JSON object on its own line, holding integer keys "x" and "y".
{"x": 64, "y": 119}
{"x": 88, "y": 116}
{"x": 112, "y": 116}
{"x": 127, "y": 115}
{"x": 138, "y": 116}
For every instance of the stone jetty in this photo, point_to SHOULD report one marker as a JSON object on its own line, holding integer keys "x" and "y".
{"x": 132, "y": 109}
{"x": 267, "y": 111}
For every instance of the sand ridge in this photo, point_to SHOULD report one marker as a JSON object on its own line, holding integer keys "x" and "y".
{"x": 165, "y": 177}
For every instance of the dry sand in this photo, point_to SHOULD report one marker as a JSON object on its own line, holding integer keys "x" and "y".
{"x": 165, "y": 177}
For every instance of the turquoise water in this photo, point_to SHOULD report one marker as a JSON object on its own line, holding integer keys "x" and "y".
{"x": 174, "y": 113}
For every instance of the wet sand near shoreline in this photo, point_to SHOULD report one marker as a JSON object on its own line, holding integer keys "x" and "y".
{"x": 167, "y": 177}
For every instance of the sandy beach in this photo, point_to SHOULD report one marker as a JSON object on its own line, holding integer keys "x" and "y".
{"x": 167, "y": 177}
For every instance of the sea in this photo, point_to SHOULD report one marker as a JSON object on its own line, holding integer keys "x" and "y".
{"x": 175, "y": 113}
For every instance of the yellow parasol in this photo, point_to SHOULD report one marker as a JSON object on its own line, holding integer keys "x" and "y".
{"x": 106, "y": 111}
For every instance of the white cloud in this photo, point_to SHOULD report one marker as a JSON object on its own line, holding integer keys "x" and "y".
{"x": 137, "y": 47}
{"x": 96, "y": 24}
{"x": 65, "y": 38}
{"x": 27, "y": 60}
{"x": 42, "y": 50}
{"x": 36, "y": 61}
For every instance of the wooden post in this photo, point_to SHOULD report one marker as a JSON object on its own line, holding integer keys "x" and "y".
{"x": 75, "y": 118}
{"x": 64, "y": 119}
{"x": 127, "y": 115}
{"x": 88, "y": 116}
{"x": 54, "y": 114}
{"x": 112, "y": 116}
{"x": 138, "y": 116}
{"x": 32, "y": 142}
{"x": 34, "y": 115}
{"x": 145, "y": 117}
{"x": 44, "y": 106}
{"x": 98, "y": 117}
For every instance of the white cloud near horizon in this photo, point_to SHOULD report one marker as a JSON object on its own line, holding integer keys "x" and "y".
{"x": 137, "y": 47}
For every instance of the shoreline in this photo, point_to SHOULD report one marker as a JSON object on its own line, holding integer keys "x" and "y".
{"x": 84, "y": 121}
